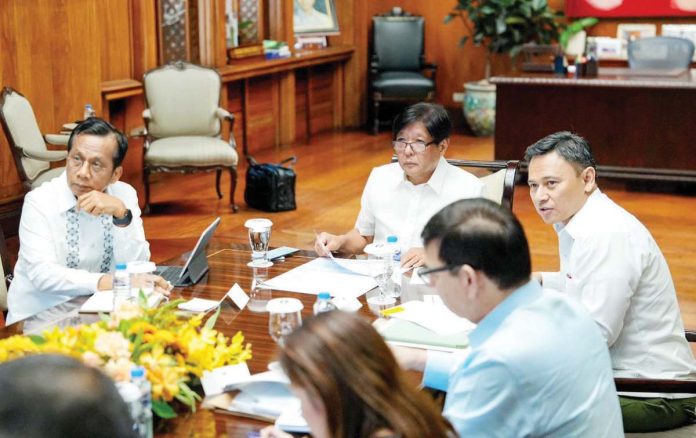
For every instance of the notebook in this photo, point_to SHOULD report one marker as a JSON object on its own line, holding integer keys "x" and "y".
{"x": 409, "y": 334}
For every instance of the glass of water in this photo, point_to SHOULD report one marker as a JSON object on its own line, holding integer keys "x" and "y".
{"x": 285, "y": 315}
{"x": 379, "y": 262}
{"x": 259, "y": 236}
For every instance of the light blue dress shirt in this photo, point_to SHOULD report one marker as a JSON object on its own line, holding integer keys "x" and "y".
{"x": 538, "y": 366}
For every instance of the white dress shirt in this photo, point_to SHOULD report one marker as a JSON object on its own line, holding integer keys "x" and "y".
{"x": 42, "y": 278}
{"x": 612, "y": 265}
{"x": 392, "y": 205}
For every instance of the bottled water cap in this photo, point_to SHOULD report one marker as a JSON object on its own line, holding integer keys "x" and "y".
{"x": 324, "y": 296}
{"x": 137, "y": 372}
{"x": 121, "y": 266}
{"x": 392, "y": 239}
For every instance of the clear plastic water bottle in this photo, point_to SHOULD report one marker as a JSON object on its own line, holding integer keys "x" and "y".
{"x": 323, "y": 303}
{"x": 121, "y": 285}
{"x": 394, "y": 285}
{"x": 89, "y": 112}
{"x": 143, "y": 422}
{"x": 130, "y": 393}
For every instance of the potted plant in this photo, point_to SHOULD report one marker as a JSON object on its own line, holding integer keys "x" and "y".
{"x": 503, "y": 26}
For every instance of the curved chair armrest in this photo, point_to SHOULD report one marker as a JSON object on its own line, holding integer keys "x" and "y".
{"x": 147, "y": 114}
{"x": 223, "y": 114}
{"x": 140, "y": 131}
{"x": 57, "y": 139}
{"x": 45, "y": 155}
{"x": 655, "y": 385}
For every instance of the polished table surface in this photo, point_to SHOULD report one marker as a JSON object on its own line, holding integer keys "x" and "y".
{"x": 228, "y": 266}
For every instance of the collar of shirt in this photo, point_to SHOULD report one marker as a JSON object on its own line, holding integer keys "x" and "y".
{"x": 490, "y": 323}
{"x": 578, "y": 221}
{"x": 437, "y": 179}
{"x": 66, "y": 198}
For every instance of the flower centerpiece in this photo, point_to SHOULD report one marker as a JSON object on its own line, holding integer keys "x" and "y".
{"x": 175, "y": 351}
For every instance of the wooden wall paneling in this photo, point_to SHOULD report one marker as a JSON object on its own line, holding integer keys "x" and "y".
{"x": 262, "y": 113}
{"x": 235, "y": 105}
{"x": 321, "y": 98}
{"x": 286, "y": 98}
{"x": 114, "y": 29}
{"x": 144, "y": 36}
{"x": 301, "y": 119}
{"x": 213, "y": 42}
{"x": 337, "y": 86}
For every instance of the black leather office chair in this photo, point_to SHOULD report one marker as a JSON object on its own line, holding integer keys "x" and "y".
{"x": 660, "y": 53}
{"x": 398, "y": 71}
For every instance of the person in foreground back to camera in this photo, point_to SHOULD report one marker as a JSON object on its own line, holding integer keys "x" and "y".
{"x": 350, "y": 385}
{"x": 57, "y": 396}
{"x": 612, "y": 266}
{"x": 537, "y": 365}
{"x": 399, "y": 198}
{"x": 77, "y": 226}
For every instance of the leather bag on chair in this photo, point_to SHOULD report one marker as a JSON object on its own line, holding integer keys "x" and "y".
{"x": 270, "y": 187}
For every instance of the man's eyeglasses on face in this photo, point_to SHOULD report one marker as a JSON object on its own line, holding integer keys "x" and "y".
{"x": 417, "y": 146}
{"x": 427, "y": 274}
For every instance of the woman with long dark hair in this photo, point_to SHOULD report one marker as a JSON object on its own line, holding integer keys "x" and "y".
{"x": 350, "y": 385}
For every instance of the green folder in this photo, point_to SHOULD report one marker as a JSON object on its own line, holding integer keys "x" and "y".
{"x": 398, "y": 330}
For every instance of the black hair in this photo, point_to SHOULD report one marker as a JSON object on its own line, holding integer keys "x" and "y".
{"x": 484, "y": 235}
{"x": 573, "y": 148}
{"x": 433, "y": 116}
{"x": 58, "y": 396}
{"x": 101, "y": 128}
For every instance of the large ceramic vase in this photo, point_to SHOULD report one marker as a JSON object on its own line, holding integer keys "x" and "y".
{"x": 479, "y": 107}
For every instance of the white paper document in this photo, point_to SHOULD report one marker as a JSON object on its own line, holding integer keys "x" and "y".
{"x": 199, "y": 305}
{"x": 436, "y": 317}
{"x": 324, "y": 274}
{"x": 214, "y": 382}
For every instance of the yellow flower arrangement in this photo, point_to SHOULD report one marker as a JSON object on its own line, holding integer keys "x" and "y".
{"x": 175, "y": 351}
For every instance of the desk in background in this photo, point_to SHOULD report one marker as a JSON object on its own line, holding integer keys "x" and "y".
{"x": 639, "y": 127}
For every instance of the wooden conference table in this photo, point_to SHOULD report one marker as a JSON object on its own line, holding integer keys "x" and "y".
{"x": 228, "y": 266}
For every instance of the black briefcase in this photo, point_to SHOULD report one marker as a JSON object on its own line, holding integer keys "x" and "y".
{"x": 270, "y": 187}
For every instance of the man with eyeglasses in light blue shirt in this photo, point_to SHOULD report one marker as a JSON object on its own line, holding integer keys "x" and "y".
{"x": 538, "y": 365}
{"x": 399, "y": 198}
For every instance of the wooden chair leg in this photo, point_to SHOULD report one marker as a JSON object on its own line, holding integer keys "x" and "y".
{"x": 375, "y": 117}
{"x": 233, "y": 188}
{"x": 218, "y": 173}
{"x": 146, "y": 184}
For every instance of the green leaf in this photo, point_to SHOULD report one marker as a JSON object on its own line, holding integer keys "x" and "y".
{"x": 515, "y": 20}
{"x": 38, "y": 340}
{"x": 163, "y": 409}
{"x": 210, "y": 323}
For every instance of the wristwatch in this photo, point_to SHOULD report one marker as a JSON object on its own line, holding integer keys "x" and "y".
{"x": 125, "y": 220}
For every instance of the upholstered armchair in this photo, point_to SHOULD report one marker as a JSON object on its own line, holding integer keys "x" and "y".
{"x": 28, "y": 145}
{"x": 398, "y": 71}
{"x": 183, "y": 123}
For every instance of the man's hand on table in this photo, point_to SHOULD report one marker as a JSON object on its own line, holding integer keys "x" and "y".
{"x": 326, "y": 243}
{"x": 162, "y": 286}
{"x": 414, "y": 258}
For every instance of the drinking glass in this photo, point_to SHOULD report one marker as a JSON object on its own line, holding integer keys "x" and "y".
{"x": 259, "y": 236}
{"x": 379, "y": 262}
{"x": 259, "y": 293}
{"x": 285, "y": 315}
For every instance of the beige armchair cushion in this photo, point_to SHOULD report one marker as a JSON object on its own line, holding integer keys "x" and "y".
{"x": 47, "y": 176}
{"x": 183, "y": 102}
{"x": 494, "y": 186}
{"x": 3, "y": 289}
{"x": 25, "y": 132}
{"x": 191, "y": 151}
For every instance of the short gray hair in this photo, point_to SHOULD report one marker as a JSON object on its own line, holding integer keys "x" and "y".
{"x": 571, "y": 147}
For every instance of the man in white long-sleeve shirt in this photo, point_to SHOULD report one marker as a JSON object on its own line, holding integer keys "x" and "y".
{"x": 76, "y": 227}
{"x": 612, "y": 265}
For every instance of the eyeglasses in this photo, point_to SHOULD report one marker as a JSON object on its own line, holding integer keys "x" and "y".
{"x": 417, "y": 146}
{"x": 76, "y": 162}
{"x": 427, "y": 274}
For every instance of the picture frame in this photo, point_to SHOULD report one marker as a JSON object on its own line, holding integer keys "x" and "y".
{"x": 686, "y": 31}
{"x": 626, "y": 32}
{"x": 315, "y": 17}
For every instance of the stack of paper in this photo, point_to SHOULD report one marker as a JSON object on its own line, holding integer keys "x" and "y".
{"x": 103, "y": 302}
{"x": 339, "y": 277}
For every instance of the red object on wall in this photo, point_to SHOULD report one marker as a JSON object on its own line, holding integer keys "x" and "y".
{"x": 630, "y": 8}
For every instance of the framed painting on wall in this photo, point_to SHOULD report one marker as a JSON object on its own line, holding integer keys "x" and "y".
{"x": 626, "y": 32}
{"x": 315, "y": 17}
{"x": 630, "y": 8}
